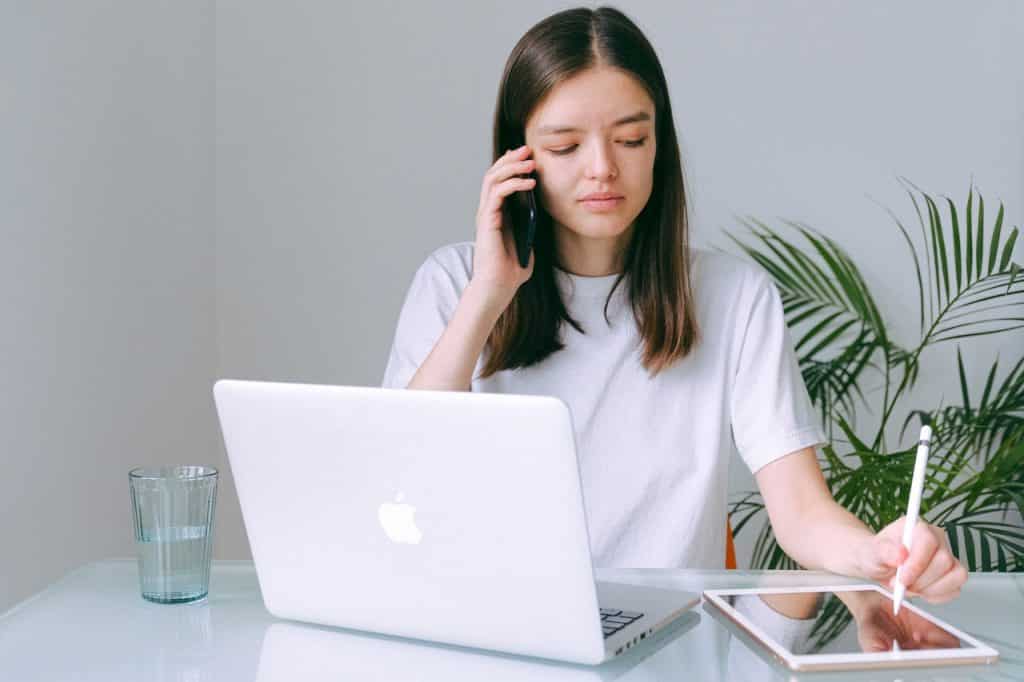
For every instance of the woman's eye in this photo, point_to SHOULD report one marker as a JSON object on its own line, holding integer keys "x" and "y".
{"x": 629, "y": 143}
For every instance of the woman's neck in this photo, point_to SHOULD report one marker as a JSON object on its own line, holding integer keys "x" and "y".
{"x": 589, "y": 256}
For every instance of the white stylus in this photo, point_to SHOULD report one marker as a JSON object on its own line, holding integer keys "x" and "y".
{"x": 913, "y": 507}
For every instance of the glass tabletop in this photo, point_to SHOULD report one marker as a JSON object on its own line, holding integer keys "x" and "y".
{"x": 93, "y": 625}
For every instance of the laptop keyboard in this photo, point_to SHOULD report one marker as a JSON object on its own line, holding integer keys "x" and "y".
{"x": 613, "y": 620}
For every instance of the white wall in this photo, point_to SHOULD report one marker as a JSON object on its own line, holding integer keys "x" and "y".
{"x": 106, "y": 268}
{"x": 352, "y": 140}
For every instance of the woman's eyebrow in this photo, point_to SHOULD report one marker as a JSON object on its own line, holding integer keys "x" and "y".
{"x": 633, "y": 118}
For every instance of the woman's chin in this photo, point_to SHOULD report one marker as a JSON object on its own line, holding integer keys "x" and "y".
{"x": 601, "y": 228}
{"x": 603, "y": 233}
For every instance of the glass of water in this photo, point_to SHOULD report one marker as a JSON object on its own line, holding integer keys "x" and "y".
{"x": 172, "y": 513}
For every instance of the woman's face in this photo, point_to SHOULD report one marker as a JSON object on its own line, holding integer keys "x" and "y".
{"x": 594, "y": 133}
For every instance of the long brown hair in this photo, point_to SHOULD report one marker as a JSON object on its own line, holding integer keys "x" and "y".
{"x": 656, "y": 258}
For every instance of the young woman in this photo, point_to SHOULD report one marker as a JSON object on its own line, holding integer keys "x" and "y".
{"x": 668, "y": 356}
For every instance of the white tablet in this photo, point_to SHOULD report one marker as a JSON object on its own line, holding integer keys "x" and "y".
{"x": 847, "y": 627}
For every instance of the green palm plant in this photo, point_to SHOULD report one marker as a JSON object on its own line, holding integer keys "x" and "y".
{"x": 968, "y": 286}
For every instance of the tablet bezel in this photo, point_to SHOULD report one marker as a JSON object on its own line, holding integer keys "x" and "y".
{"x": 977, "y": 653}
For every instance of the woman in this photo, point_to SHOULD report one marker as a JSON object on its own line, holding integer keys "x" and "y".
{"x": 665, "y": 354}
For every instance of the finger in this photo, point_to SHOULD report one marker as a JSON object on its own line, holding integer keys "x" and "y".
{"x": 500, "y": 173}
{"x": 936, "y": 638}
{"x": 511, "y": 156}
{"x": 948, "y": 586}
{"x": 510, "y": 153}
{"x": 887, "y": 555}
{"x": 511, "y": 169}
{"x": 499, "y": 192}
{"x": 908, "y": 643}
{"x": 875, "y": 645}
{"x": 495, "y": 165}
{"x": 490, "y": 206}
{"x": 499, "y": 169}
{"x": 885, "y": 552}
{"x": 942, "y": 562}
{"x": 923, "y": 547}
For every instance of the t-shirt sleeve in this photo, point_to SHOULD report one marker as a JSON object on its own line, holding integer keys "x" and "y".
{"x": 792, "y": 633}
{"x": 429, "y": 305}
{"x": 772, "y": 414}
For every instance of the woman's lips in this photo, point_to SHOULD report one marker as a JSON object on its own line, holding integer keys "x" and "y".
{"x": 601, "y": 205}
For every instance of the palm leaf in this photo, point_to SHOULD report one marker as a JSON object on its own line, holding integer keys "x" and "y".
{"x": 996, "y": 485}
{"x": 917, "y": 261}
{"x": 833, "y": 382}
{"x": 979, "y": 266}
{"x": 1000, "y": 413}
{"x": 829, "y": 306}
{"x": 987, "y": 546}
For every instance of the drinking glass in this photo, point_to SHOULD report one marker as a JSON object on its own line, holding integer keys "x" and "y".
{"x": 172, "y": 513}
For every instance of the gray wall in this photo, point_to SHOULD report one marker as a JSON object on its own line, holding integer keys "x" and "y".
{"x": 194, "y": 190}
{"x": 106, "y": 267}
{"x": 352, "y": 140}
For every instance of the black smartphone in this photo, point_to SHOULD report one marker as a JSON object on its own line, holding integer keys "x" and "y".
{"x": 523, "y": 214}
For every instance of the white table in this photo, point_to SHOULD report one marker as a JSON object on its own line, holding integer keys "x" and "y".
{"x": 93, "y": 625}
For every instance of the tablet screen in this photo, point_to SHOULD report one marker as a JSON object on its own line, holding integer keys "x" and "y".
{"x": 850, "y": 622}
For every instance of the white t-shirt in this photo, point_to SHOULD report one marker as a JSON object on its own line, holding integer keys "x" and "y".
{"x": 653, "y": 452}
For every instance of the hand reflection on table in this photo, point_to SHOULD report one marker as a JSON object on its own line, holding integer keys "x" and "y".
{"x": 801, "y": 620}
{"x": 817, "y": 623}
{"x": 878, "y": 630}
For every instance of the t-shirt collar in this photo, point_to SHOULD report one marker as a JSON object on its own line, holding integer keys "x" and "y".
{"x": 590, "y": 287}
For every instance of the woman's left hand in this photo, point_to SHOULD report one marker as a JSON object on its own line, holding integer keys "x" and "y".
{"x": 929, "y": 569}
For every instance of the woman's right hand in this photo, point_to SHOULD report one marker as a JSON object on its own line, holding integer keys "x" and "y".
{"x": 496, "y": 269}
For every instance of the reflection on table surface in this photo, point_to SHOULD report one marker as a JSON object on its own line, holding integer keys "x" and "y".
{"x": 845, "y": 622}
{"x": 92, "y": 625}
{"x": 296, "y": 651}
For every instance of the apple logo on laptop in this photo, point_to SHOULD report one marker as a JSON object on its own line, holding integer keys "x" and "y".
{"x": 398, "y": 521}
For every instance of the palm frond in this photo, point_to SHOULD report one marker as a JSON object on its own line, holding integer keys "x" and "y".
{"x": 832, "y": 383}
{"x": 987, "y": 545}
{"x": 830, "y": 307}
{"x": 997, "y": 485}
{"x": 980, "y": 428}
{"x": 966, "y": 271}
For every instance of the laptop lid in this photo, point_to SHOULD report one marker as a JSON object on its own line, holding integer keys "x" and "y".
{"x": 449, "y": 516}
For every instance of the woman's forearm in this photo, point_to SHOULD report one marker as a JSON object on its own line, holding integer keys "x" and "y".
{"x": 826, "y": 537}
{"x": 818, "y": 533}
{"x": 810, "y": 526}
{"x": 450, "y": 365}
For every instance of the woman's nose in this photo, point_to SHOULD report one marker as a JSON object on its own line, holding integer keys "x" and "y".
{"x": 601, "y": 164}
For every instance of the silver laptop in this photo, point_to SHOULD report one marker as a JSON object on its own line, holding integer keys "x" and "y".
{"x": 453, "y": 517}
